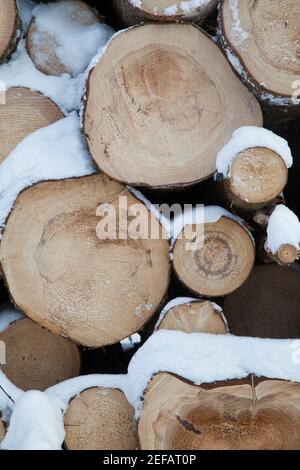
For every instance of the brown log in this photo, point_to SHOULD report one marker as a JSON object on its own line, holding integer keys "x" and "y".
{"x": 221, "y": 265}
{"x": 24, "y": 112}
{"x": 267, "y": 305}
{"x": 42, "y": 45}
{"x": 100, "y": 419}
{"x": 2, "y": 431}
{"x": 260, "y": 39}
{"x": 158, "y": 110}
{"x": 161, "y": 11}
{"x": 9, "y": 28}
{"x": 233, "y": 416}
{"x": 36, "y": 358}
{"x": 62, "y": 275}
{"x": 194, "y": 317}
{"x": 255, "y": 178}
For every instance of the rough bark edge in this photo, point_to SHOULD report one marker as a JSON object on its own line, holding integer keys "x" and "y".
{"x": 14, "y": 41}
{"x": 14, "y": 303}
{"x": 84, "y": 100}
{"x": 281, "y": 106}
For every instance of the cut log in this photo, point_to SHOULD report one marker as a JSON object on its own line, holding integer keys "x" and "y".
{"x": 59, "y": 29}
{"x": 158, "y": 109}
{"x": 9, "y": 28}
{"x": 198, "y": 316}
{"x": 24, "y": 112}
{"x": 221, "y": 265}
{"x": 2, "y": 431}
{"x": 63, "y": 275}
{"x": 36, "y": 358}
{"x": 255, "y": 178}
{"x": 237, "y": 416}
{"x": 131, "y": 12}
{"x": 267, "y": 305}
{"x": 261, "y": 40}
{"x": 100, "y": 419}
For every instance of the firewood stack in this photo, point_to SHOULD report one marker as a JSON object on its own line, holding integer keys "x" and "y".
{"x": 194, "y": 103}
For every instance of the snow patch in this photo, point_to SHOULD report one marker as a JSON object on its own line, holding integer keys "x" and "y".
{"x": 25, "y": 8}
{"x": 8, "y": 314}
{"x": 283, "y": 228}
{"x": 249, "y": 137}
{"x": 238, "y": 34}
{"x": 171, "y": 10}
{"x": 53, "y": 152}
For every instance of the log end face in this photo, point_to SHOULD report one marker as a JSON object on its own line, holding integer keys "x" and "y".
{"x": 8, "y": 26}
{"x": 287, "y": 254}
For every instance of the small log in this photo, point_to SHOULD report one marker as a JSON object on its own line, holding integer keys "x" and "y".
{"x": 198, "y": 316}
{"x": 221, "y": 265}
{"x": 44, "y": 45}
{"x": 64, "y": 276}
{"x": 36, "y": 358}
{"x": 2, "y": 431}
{"x": 100, "y": 419}
{"x": 158, "y": 110}
{"x": 237, "y": 415}
{"x": 255, "y": 178}
{"x": 9, "y": 28}
{"x": 24, "y": 112}
{"x": 131, "y": 12}
{"x": 267, "y": 305}
{"x": 260, "y": 39}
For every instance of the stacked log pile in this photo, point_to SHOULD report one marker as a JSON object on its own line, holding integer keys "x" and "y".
{"x": 166, "y": 111}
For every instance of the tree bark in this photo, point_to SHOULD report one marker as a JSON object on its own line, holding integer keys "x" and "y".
{"x": 157, "y": 110}
{"x": 37, "y": 359}
{"x": 194, "y": 317}
{"x": 162, "y": 11}
{"x": 221, "y": 264}
{"x": 255, "y": 178}
{"x": 24, "y": 112}
{"x": 10, "y": 27}
{"x": 260, "y": 40}
{"x": 100, "y": 419}
{"x": 237, "y": 415}
{"x": 62, "y": 272}
{"x": 267, "y": 305}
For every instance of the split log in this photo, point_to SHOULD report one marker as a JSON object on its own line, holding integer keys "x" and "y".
{"x": 221, "y": 264}
{"x": 44, "y": 42}
{"x": 36, "y": 358}
{"x": 64, "y": 276}
{"x": 255, "y": 178}
{"x": 267, "y": 305}
{"x": 194, "y": 317}
{"x": 233, "y": 416}
{"x": 131, "y": 12}
{"x": 261, "y": 41}
{"x": 100, "y": 419}
{"x": 2, "y": 431}
{"x": 158, "y": 110}
{"x": 24, "y": 112}
{"x": 9, "y": 28}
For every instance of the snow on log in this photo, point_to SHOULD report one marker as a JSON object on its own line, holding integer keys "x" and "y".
{"x": 267, "y": 305}
{"x": 64, "y": 36}
{"x": 261, "y": 41}
{"x": 132, "y": 12}
{"x": 100, "y": 419}
{"x": 37, "y": 358}
{"x": 157, "y": 110}
{"x": 24, "y": 112}
{"x": 9, "y": 28}
{"x": 66, "y": 277}
{"x": 238, "y": 415}
{"x": 252, "y": 168}
{"x": 215, "y": 257}
{"x": 192, "y": 316}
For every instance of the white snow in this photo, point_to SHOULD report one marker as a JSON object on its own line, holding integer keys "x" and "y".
{"x": 249, "y": 137}
{"x": 190, "y": 5}
{"x": 65, "y": 91}
{"x": 238, "y": 34}
{"x": 136, "y": 3}
{"x": 171, "y": 10}
{"x": 283, "y": 228}
{"x": 36, "y": 423}
{"x": 8, "y": 314}
{"x": 77, "y": 34}
{"x": 25, "y": 8}
{"x": 53, "y": 152}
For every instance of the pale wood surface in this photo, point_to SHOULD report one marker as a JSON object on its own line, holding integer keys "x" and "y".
{"x": 8, "y": 19}
{"x": 2, "y": 431}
